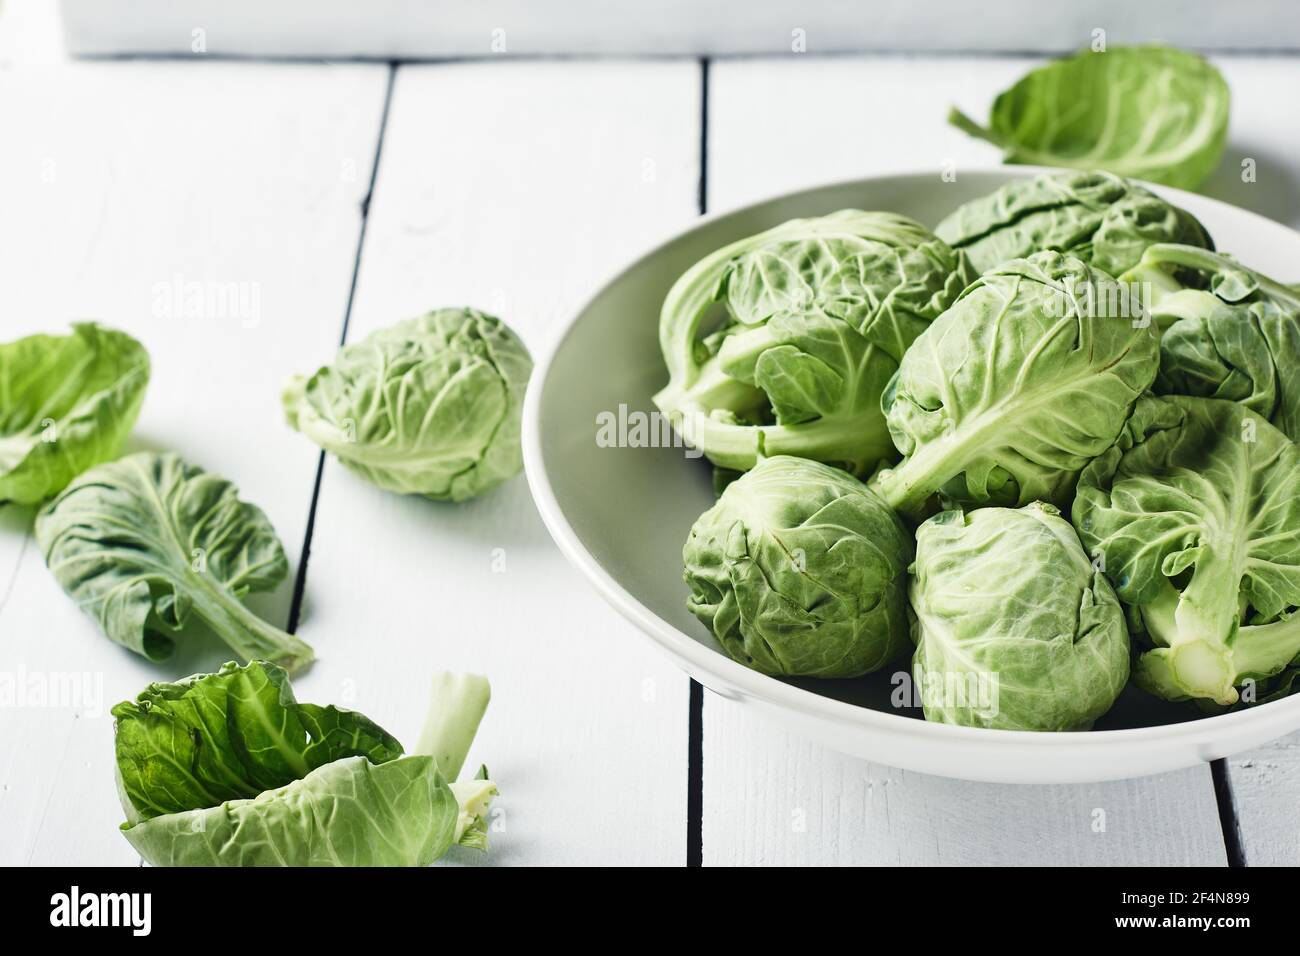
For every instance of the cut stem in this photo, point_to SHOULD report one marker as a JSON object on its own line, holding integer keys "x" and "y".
{"x": 457, "y": 706}
{"x": 967, "y": 125}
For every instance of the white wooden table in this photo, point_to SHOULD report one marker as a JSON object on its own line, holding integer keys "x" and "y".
{"x": 350, "y": 196}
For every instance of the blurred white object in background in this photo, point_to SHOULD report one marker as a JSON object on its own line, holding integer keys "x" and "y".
{"x": 412, "y": 29}
{"x": 30, "y": 33}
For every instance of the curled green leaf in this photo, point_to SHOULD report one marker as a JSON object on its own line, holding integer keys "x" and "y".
{"x": 1102, "y": 219}
{"x": 147, "y": 542}
{"x": 1195, "y": 514}
{"x": 1148, "y": 112}
{"x": 67, "y": 403}
{"x": 1008, "y": 394}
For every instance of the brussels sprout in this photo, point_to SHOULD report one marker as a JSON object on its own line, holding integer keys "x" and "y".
{"x": 67, "y": 402}
{"x": 1106, "y": 221}
{"x": 228, "y": 769}
{"x": 1239, "y": 340}
{"x": 818, "y": 314}
{"x": 799, "y": 570}
{"x": 1014, "y": 628}
{"x": 430, "y": 406}
{"x": 1151, "y": 112}
{"x": 1195, "y": 513}
{"x": 1015, "y": 388}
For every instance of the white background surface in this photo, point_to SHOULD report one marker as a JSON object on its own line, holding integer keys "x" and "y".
{"x": 516, "y": 187}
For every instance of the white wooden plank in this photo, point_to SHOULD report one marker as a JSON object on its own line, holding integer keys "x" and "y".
{"x": 1265, "y": 786}
{"x": 513, "y": 187}
{"x": 773, "y": 798}
{"x": 786, "y": 123}
{"x": 117, "y": 178}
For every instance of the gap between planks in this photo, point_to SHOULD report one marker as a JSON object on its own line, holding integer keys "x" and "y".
{"x": 300, "y": 579}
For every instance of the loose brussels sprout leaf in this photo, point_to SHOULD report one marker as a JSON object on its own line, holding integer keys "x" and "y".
{"x": 1095, "y": 216}
{"x": 1003, "y": 399}
{"x": 816, "y": 316}
{"x": 799, "y": 570}
{"x": 67, "y": 402}
{"x": 1195, "y": 513}
{"x": 1014, "y": 628}
{"x": 347, "y": 813}
{"x": 1150, "y": 112}
{"x": 1238, "y": 339}
{"x": 227, "y": 769}
{"x": 430, "y": 406}
{"x": 143, "y": 543}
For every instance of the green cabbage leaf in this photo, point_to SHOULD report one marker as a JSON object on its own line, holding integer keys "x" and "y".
{"x": 67, "y": 403}
{"x": 1008, "y": 394}
{"x": 1105, "y": 220}
{"x": 1195, "y": 516}
{"x": 1148, "y": 112}
{"x": 146, "y": 543}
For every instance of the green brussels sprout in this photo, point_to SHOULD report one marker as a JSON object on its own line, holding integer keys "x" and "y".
{"x": 799, "y": 570}
{"x": 816, "y": 316}
{"x": 1015, "y": 388}
{"x": 1014, "y": 627}
{"x": 1106, "y": 221}
{"x": 430, "y": 406}
{"x": 1238, "y": 339}
{"x": 1195, "y": 514}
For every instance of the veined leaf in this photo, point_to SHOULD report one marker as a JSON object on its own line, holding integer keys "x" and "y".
{"x": 1148, "y": 112}
{"x": 146, "y": 542}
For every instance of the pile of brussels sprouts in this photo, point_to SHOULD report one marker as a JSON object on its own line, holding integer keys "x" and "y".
{"x": 1053, "y": 442}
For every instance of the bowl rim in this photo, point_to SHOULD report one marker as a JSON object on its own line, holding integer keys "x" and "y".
{"x": 697, "y": 658}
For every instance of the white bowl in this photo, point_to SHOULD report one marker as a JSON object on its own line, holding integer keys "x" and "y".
{"x": 622, "y": 514}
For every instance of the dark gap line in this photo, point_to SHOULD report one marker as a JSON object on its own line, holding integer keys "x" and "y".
{"x": 370, "y": 192}
{"x": 300, "y": 579}
{"x": 702, "y": 197}
{"x": 695, "y": 720}
{"x": 1228, "y": 822}
{"x": 695, "y": 778}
